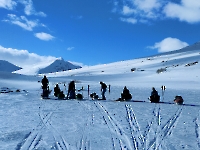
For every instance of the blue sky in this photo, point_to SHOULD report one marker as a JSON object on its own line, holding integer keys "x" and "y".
{"x": 95, "y": 31}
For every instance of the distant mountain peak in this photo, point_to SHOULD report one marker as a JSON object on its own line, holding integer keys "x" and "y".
{"x": 60, "y": 58}
{"x": 58, "y": 65}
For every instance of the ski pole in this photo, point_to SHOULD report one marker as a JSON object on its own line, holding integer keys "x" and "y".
{"x": 88, "y": 91}
{"x": 163, "y": 90}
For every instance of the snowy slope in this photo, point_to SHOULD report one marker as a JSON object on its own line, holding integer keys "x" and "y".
{"x": 8, "y": 67}
{"x": 168, "y": 68}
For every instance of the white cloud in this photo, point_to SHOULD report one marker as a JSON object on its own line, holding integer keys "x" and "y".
{"x": 147, "y": 5}
{"x": 7, "y": 4}
{"x": 138, "y": 9}
{"x": 70, "y": 48}
{"x": 188, "y": 10}
{"x": 22, "y": 21}
{"x": 184, "y": 10}
{"x": 129, "y": 20}
{"x": 128, "y": 11}
{"x": 169, "y": 44}
{"x": 29, "y": 8}
{"x": 23, "y": 58}
{"x": 44, "y": 36}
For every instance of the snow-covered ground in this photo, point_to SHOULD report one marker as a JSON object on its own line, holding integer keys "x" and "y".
{"x": 28, "y": 122}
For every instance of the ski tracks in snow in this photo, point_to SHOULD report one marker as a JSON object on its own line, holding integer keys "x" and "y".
{"x": 152, "y": 138}
{"x": 119, "y": 139}
{"x": 162, "y": 131}
{"x": 136, "y": 135}
{"x": 197, "y": 129}
{"x": 155, "y": 133}
{"x": 33, "y": 139}
{"x": 85, "y": 142}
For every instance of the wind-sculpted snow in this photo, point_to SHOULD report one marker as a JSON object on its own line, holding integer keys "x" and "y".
{"x": 28, "y": 122}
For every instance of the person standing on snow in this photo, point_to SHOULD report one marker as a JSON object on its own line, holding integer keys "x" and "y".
{"x": 45, "y": 87}
{"x": 103, "y": 90}
{"x": 71, "y": 90}
{"x": 45, "y": 83}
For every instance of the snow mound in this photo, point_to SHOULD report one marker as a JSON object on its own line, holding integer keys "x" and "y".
{"x": 8, "y": 67}
{"x": 58, "y": 66}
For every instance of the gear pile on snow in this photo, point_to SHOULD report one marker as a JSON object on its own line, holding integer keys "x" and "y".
{"x": 178, "y": 100}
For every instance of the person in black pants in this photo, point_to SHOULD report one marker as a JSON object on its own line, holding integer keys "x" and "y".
{"x": 71, "y": 90}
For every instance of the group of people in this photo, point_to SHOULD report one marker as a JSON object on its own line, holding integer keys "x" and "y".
{"x": 155, "y": 98}
{"x": 125, "y": 95}
{"x": 71, "y": 94}
{"x": 57, "y": 92}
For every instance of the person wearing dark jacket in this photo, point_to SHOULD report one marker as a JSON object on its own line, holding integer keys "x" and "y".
{"x": 126, "y": 94}
{"x": 56, "y": 90}
{"x": 61, "y": 95}
{"x": 45, "y": 87}
{"x": 71, "y": 90}
{"x": 45, "y": 82}
{"x": 155, "y": 98}
{"x": 178, "y": 100}
{"x": 103, "y": 90}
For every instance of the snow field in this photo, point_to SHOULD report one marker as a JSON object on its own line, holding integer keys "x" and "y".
{"x": 32, "y": 123}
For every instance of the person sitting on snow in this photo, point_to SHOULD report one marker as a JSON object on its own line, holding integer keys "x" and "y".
{"x": 178, "y": 100}
{"x": 56, "y": 90}
{"x": 126, "y": 94}
{"x": 61, "y": 95}
{"x": 154, "y": 98}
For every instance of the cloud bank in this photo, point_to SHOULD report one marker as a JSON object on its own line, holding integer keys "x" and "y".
{"x": 23, "y": 58}
{"x": 148, "y": 10}
{"x": 8, "y": 4}
{"x": 187, "y": 10}
{"x": 169, "y": 44}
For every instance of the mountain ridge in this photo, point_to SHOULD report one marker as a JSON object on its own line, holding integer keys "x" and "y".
{"x": 8, "y": 67}
{"x": 58, "y": 65}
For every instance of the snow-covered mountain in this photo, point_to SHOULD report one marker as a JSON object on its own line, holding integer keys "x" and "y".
{"x": 45, "y": 67}
{"x": 57, "y": 66}
{"x": 6, "y": 66}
